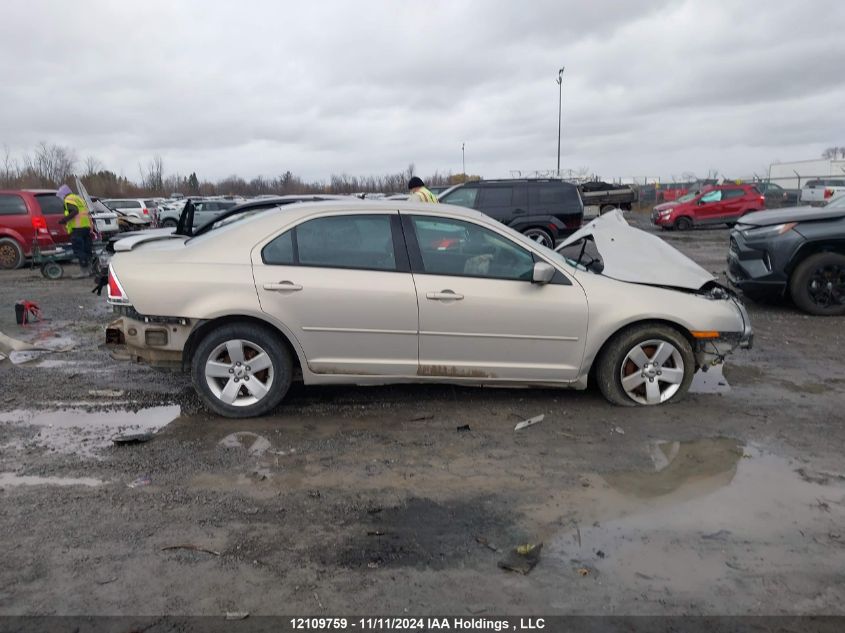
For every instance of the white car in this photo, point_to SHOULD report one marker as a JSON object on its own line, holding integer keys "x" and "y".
{"x": 386, "y": 292}
{"x": 145, "y": 209}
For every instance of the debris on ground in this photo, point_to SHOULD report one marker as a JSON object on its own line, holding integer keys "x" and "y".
{"x": 143, "y": 480}
{"x": 583, "y": 571}
{"x": 106, "y": 393}
{"x": 192, "y": 547}
{"x": 716, "y": 536}
{"x": 373, "y": 510}
{"x": 600, "y": 553}
{"x": 237, "y": 615}
{"x": 27, "y": 356}
{"x": 529, "y": 422}
{"x": 522, "y": 558}
{"x": 376, "y": 533}
{"x": 106, "y": 581}
{"x": 463, "y": 428}
{"x": 132, "y": 438}
{"x": 619, "y": 430}
{"x": 421, "y": 416}
{"x": 482, "y": 540}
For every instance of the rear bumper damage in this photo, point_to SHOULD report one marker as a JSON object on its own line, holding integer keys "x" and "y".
{"x": 156, "y": 341}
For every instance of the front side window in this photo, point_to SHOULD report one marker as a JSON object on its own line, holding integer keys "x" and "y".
{"x": 344, "y": 241}
{"x": 454, "y": 247}
{"x": 462, "y": 196}
{"x": 10, "y": 204}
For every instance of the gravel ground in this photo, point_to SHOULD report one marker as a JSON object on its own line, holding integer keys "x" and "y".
{"x": 372, "y": 500}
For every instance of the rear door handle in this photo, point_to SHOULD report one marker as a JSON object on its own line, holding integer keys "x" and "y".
{"x": 283, "y": 286}
{"x": 444, "y": 295}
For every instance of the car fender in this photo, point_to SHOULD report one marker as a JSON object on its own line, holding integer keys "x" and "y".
{"x": 545, "y": 221}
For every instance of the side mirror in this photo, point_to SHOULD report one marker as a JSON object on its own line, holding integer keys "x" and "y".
{"x": 543, "y": 273}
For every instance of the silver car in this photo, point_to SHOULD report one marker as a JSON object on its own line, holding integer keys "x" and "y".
{"x": 388, "y": 292}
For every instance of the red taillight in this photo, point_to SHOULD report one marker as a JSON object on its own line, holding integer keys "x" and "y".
{"x": 146, "y": 212}
{"x": 828, "y": 193}
{"x": 39, "y": 223}
{"x": 116, "y": 293}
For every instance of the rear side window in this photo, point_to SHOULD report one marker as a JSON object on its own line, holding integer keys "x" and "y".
{"x": 556, "y": 195}
{"x": 50, "y": 205}
{"x": 150, "y": 203}
{"x": 730, "y": 194}
{"x": 10, "y": 204}
{"x": 347, "y": 241}
{"x": 463, "y": 197}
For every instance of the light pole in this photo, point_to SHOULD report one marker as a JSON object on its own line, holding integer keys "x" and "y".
{"x": 559, "y": 112}
{"x": 464, "y": 160}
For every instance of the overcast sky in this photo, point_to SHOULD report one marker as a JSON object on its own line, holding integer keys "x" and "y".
{"x": 651, "y": 87}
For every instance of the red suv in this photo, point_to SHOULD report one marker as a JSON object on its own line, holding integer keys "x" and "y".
{"x": 716, "y": 205}
{"x": 27, "y": 216}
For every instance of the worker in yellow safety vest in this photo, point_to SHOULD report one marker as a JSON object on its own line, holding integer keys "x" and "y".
{"x": 77, "y": 223}
{"x": 419, "y": 193}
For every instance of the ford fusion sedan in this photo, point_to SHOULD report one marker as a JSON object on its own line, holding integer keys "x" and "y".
{"x": 391, "y": 292}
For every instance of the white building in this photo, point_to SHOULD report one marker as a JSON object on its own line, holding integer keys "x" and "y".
{"x": 795, "y": 174}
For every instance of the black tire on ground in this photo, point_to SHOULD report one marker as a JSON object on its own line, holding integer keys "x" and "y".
{"x": 169, "y": 222}
{"x": 609, "y": 362}
{"x": 807, "y": 284}
{"x": 537, "y": 233}
{"x": 683, "y": 223}
{"x": 52, "y": 270}
{"x": 607, "y": 208}
{"x": 11, "y": 254}
{"x": 264, "y": 337}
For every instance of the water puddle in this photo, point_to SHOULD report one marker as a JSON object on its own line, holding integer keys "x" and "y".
{"x": 12, "y": 480}
{"x": 709, "y": 512}
{"x": 81, "y": 432}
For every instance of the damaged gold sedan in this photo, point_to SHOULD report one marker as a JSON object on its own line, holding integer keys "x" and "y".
{"x": 375, "y": 293}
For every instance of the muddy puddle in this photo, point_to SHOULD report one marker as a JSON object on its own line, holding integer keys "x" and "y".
{"x": 710, "y": 515}
{"x": 79, "y": 431}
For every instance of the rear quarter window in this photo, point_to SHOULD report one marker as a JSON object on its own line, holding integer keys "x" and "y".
{"x": 50, "y": 205}
{"x": 11, "y": 204}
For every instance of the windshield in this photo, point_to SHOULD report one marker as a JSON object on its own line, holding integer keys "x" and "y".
{"x": 688, "y": 197}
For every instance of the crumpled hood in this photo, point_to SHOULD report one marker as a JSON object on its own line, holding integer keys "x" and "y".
{"x": 635, "y": 256}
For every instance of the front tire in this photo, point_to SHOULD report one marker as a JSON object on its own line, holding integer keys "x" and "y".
{"x": 241, "y": 370}
{"x": 817, "y": 285}
{"x": 646, "y": 364}
{"x": 683, "y": 224}
{"x": 168, "y": 223}
{"x": 11, "y": 254}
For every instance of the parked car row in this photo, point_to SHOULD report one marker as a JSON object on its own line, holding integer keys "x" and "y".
{"x": 717, "y": 204}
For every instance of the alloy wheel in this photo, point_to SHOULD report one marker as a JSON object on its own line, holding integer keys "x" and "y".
{"x": 652, "y": 372}
{"x": 539, "y": 236}
{"x": 826, "y": 286}
{"x": 239, "y": 372}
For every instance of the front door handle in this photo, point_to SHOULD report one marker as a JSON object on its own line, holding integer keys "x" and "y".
{"x": 444, "y": 295}
{"x": 283, "y": 286}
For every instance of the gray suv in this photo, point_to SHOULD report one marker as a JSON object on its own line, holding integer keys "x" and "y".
{"x": 544, "y": 209}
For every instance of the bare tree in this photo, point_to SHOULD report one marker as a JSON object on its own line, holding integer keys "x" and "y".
{"x": 833, "y": 152}
{"x": 92, "y": 165}
{"x": 50, "y": 165}
{"x": 152, "y": 176}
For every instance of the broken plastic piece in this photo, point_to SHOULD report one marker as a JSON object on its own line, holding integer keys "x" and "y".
{"x": 529, "y": 422}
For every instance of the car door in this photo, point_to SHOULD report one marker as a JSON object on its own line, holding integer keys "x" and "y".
{"x": 709, "y": 209}
{"x": 342, "y": 284}
{"x": 480, "y": 316}
{"x": 734, "y": 203}
{"x": 497, "y": 202}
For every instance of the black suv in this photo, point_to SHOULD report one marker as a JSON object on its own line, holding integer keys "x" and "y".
{"x": 544, "y": 209}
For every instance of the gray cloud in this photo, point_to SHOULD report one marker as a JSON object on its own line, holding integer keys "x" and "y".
{"x": 651, "y": 88}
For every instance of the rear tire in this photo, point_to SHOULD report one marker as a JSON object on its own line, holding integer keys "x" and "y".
{"x": 11, "y": 254}
{"x": 607, "y": 209}
{"x": 817, "y": 285}
{"x": 541, "y": 236}
{"x": 168, "y": 223}
{"x": 646, "y": 383}
{"x": 683, "y": 224}
{"x": 226, "y": 381}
